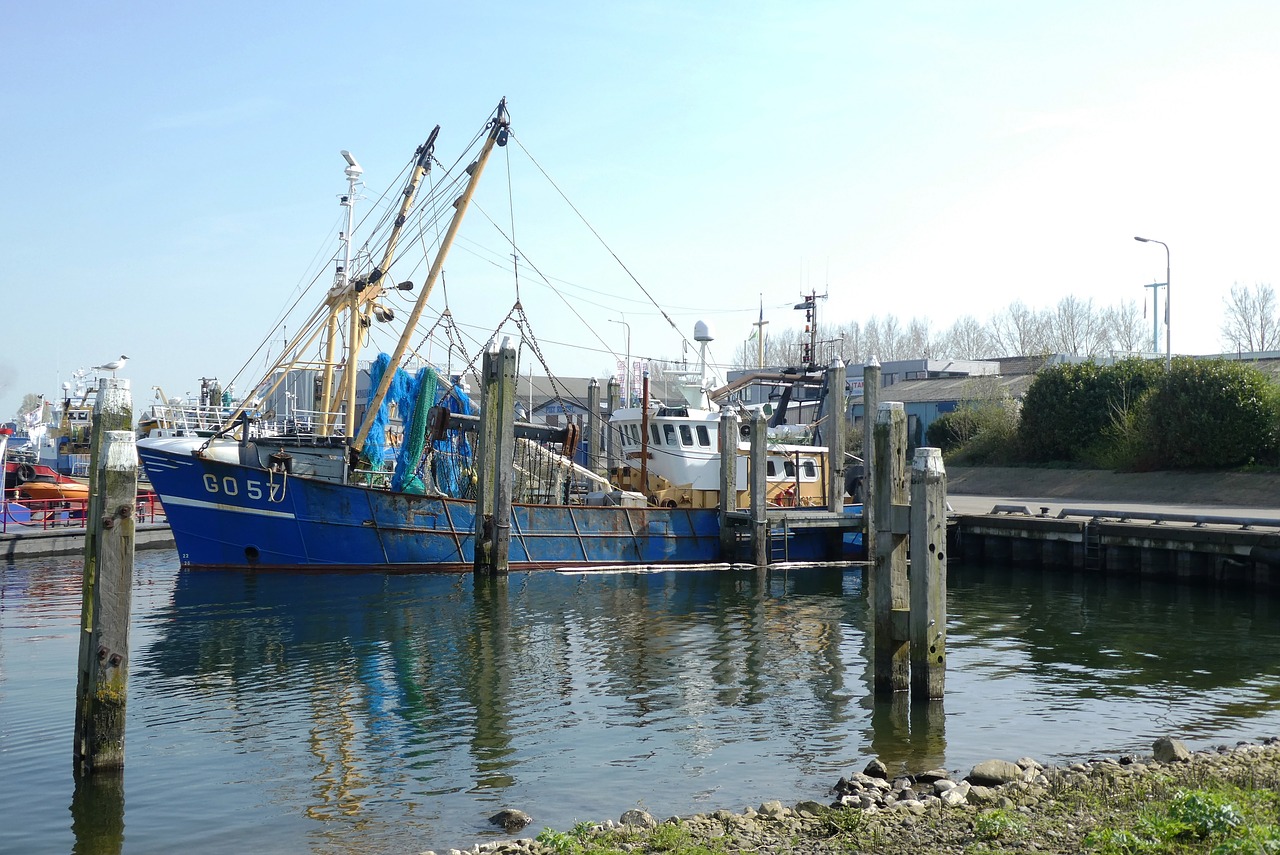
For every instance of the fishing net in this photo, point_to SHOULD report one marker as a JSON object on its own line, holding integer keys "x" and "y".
{"x": 447, "y": 469}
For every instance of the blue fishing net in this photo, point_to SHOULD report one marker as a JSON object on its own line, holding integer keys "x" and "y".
{"x": 413, "y": 397}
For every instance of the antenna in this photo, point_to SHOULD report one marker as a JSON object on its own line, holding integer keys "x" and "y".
{"x": 353, "y": 168}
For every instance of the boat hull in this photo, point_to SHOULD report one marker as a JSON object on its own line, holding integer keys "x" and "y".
{"x": 228, "y": 515}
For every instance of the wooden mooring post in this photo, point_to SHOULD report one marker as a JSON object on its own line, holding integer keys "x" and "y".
{"x": 728, "y": 482}
{"x": 495, "y": 453}
{"x": 909, "y": 608}
{"x": 757, "y": 469}
{"x": 928, "y": 576}
{"x": 595, "y": 460}
{"x": 870, "y": 404}
{"x": 107, "y": 594}
{"x": 612, "y": 440}
{"x": 836, "y": 420}
{"x": 889, "y": 592}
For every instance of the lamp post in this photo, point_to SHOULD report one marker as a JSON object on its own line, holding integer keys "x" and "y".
{"x": 1168, "y": 298}
{"x": 626, "y": 370}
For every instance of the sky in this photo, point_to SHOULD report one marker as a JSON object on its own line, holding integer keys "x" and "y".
{"x": 173, "y": 169}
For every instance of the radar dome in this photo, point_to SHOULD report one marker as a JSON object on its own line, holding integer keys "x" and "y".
{"x": 702, "y": 332}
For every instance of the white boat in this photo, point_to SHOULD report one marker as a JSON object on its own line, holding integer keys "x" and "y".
{"x": 671, "y": 452}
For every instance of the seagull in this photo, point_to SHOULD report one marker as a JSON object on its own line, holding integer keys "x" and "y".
{"x": 113, "y": 366}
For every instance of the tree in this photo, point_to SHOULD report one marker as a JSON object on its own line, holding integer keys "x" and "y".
{"x": 30, "y": 401}
{"x": 1075, "y": 328}
{"x": 1127, "y": 331}
{"x": 1252, "y": 324}
{"x": 918, "y": 340}
{"x": 967, "y": 339}
{"x": 1020, "y": 331}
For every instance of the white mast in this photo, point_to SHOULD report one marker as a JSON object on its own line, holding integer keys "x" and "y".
{"x": 341, "y": 282}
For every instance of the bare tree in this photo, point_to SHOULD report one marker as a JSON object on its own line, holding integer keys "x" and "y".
{"x": 1125, "y": 328}
{"x": 883, "y": 338}
{"x": 1020, "y": 331}
{"x": 1076, "y": 329}
{"x": 1251, "y": 323}
{"x": 918, "y": 341}
{"x": 967, "y": 339}
{"x": 851, "y": 348}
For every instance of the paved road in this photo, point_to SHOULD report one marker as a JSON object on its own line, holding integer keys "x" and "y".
{"x": 963, "y": 504}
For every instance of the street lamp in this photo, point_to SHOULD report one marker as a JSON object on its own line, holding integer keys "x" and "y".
{"x": 1168, "y": 298}
{"x": 626, "y": 370}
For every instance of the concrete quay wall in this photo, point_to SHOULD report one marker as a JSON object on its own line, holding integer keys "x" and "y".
{"x": 1215, "y": 550}
{"x": 43, "y": 543}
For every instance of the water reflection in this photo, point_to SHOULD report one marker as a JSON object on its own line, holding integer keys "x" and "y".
{"x": 432, "y": 686}
{"x": 395, "y": 713}
{"x": 97, "y": 814}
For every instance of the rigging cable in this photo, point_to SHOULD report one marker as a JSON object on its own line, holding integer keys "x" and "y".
{"x": 598, "y": 237}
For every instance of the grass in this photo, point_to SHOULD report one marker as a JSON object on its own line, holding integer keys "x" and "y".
{"x": 1212, "y": 806}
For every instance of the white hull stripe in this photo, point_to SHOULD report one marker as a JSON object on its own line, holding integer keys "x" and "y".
{"x": 218, "y": 506}
{"x": 164, "y": 462}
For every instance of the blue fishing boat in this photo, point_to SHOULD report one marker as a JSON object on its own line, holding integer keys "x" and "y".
{"x": 380, "y": 473}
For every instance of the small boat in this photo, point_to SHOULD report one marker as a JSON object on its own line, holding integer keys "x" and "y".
{"x": 29, "y": 479}
{"x": 51, "y": 488}
{"x": 381, "y": 473}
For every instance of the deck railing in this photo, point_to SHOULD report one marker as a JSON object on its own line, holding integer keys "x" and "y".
{"x": 30, "y": 515}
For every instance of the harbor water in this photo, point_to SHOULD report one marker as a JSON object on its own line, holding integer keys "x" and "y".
{"x": 395, "y": 713}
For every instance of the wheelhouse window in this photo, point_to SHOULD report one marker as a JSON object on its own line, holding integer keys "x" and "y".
{"x": 704, "y": 437}
{"x": 669, "y": 431}
{"x": 653, "y": 434}
{"x": 809, "y": 470}
{"x": 686, "y": 435}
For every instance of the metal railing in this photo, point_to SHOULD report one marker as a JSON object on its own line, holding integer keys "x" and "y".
{"x": 31, "y": 515}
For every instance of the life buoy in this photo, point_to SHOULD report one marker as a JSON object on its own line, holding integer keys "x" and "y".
{"x": 26, "y": 472}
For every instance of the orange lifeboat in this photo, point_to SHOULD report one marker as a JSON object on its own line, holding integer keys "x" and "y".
{"x": 36, "y": 490}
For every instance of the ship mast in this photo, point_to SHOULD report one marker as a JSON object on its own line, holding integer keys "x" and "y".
{"x": 366, "y": 289}
{"x": 499, "y": 127}
{"x": 348, "y": 201}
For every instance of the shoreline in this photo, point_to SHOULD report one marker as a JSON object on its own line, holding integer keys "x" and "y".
{"x": 1103, "y": 804}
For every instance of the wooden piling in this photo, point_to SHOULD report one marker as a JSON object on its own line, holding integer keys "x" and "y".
{"x": 759, "y": 490}
{"x": 107, "y": 592}
{"x": 612, "y": 441}
{"x": 496, "y": 455}
{"x": 837, "y": 421}
{"x": 889, "y": 592}
{"x": 728, "y": 481}
{"x": 594, "y": 458}
{"x": 870, "y": 403}
{"x": 928, "y": 575}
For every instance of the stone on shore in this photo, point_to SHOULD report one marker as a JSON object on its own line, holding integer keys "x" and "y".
{"x": 511, "y": 820}
{"x": 995, "y": 773}
{"x": 639, "y": 819}
{"x": 1170, "y": 750}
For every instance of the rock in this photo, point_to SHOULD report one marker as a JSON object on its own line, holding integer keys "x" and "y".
{"x": 1170, "y": 750}
{"x": 943, "y": 785}
{"x": 511, "y": 820}
{"x": 772, "y": 810}
{"x": 933, "y": 775}
{"x": 979, "y": 795}
{"x": 995, "y": 773}
{"x": 638, "y": 819}
{"x": 810, "y": 808}
{"x": 1029, "y": 763}
{"x": 954, "y": 797}
{"x": 876, "y": 769}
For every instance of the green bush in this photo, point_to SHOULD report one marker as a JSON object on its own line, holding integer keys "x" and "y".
{"x": 1209, "y": 414}
{"x": 1070, "y": 411}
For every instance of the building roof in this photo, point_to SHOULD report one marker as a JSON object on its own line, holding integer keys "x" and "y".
{"x": 954, "y": 389}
